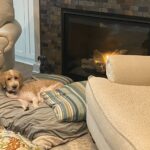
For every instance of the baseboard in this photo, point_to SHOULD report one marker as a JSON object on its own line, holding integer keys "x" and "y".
{"x": 28, "y": 61}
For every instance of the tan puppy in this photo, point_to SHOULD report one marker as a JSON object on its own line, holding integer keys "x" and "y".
{"x": 27, "y": 93}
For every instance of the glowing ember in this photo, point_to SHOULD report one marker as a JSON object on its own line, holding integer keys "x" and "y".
{"x": 98, "y": 62}
{"x": 105, "y": 57}
{"x": 100, "y": 57}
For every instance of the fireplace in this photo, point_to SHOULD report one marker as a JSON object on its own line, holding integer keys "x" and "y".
{"x": 88, "y": 37}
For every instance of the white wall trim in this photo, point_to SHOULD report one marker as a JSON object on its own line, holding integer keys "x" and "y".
{"x": 28, "y": 46}
{"x": 24, "y": 60}
{"x": 37, "y": 27}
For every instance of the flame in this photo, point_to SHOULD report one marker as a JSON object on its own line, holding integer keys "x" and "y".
{"x": 99, "y": 59}
{"x": 103, "y": 57}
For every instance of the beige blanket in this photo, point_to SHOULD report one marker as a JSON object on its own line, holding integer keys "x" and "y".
{"x": 127, "y": 108}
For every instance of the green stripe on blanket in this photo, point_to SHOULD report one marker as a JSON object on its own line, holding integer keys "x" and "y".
{"x": 68, "y": 102}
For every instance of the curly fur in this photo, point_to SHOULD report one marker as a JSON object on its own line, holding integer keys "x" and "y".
{"x": 26, "y": 93}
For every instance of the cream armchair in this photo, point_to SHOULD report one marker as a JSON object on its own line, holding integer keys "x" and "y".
{"x": 10, "y": 30}
{"x": 118, "y": 107}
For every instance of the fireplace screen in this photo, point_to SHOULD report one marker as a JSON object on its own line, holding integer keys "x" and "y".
{"x": 89, "y": 38}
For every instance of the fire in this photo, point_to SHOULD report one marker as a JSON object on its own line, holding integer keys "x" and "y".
{"x": 100, "y": 57}
{"x": 105, "y": 57}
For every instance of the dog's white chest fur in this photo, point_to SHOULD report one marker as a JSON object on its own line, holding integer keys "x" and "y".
{"x": 28, "y": 97}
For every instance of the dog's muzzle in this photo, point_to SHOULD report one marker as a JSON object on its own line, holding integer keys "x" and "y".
{"x": 12, "y": 92}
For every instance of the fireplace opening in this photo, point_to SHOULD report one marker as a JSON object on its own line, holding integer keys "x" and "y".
{"x": 88, "y": 38}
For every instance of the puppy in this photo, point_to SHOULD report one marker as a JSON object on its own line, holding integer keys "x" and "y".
{"x": 27, "y": 93}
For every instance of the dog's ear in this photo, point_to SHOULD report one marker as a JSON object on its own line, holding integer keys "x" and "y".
{"x": 2, "y": 80}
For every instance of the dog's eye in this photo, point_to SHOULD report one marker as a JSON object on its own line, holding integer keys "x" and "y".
{"x": 16, "y": 78}
{"x": 8, "y": 79}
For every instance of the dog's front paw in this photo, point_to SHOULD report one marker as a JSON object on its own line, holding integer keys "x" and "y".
{"x": 24, "y": 104}
{"x": 35, "y": 105}
{"x": 25, "y": 108}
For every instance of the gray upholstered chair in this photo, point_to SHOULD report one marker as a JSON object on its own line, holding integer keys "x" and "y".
{"x": 10, "y": 30}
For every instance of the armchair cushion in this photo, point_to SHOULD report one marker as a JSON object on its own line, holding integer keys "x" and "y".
{"x": 6, "y": 11}
{"x": 129, "y": 69}
{"x": 11, "y": 32}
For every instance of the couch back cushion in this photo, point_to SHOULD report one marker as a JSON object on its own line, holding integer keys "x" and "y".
{"x": 6, "y": 11}
{"x": 129, "y": 69}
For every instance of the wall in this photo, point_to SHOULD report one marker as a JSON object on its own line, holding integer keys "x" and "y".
{"x": 50, "y": 14}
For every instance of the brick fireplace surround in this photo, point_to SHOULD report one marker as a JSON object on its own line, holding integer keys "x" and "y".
{"x": 50, "y": 15}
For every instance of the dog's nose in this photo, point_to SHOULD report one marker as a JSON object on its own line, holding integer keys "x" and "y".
{"x": 14, "y": 86}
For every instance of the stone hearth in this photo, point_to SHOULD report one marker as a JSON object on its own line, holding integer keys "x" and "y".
{"x": 50, "y": 14}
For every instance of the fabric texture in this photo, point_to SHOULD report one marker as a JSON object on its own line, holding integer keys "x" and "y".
{"x": 10, "y": 31}
{"x": 100, "y": 138}
{"x": 84, "y": 142}
{"x": 6, "y": 11}
{"x": 98, "y": 124}
{"x": 126, "y": 109}
{"x": 68, "y": 102}
{"x": 38, "y": 125}
{"x": 11, "y": 141}
{"x": 129, "y": 69}
{"x": 63, "y": 79}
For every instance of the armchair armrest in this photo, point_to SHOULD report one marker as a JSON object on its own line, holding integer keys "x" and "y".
{"x": 11, "y": 32}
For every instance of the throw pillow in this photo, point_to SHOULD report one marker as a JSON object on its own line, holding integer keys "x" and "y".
{"x": 68, "y": 102}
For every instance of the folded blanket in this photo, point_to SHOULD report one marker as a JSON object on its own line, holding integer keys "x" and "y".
{"x": 38, "y": 125}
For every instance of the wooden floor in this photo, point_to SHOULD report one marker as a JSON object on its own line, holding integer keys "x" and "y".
{"x": 25, "y": 69}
